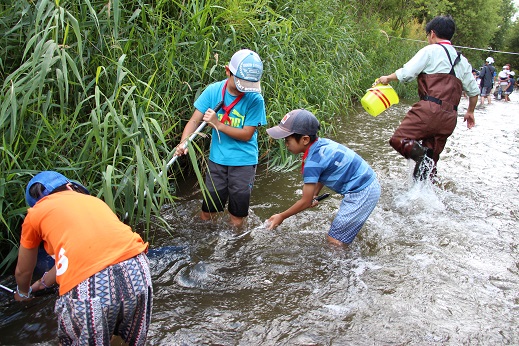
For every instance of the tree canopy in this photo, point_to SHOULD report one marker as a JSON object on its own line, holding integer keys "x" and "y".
{"x": 486, "y": 25}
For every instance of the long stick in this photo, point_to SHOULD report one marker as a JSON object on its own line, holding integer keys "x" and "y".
{"x": 7, "y": 289}
{"x": 184, "y": 146}
{"x": 190, "y": 138}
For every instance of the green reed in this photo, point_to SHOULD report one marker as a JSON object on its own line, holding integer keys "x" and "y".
{"x": 101, "y": 90}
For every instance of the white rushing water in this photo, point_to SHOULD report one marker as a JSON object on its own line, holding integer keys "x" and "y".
{"x": 434, "y": 264}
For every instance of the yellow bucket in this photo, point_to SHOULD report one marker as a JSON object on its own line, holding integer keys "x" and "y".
{"x": 378, "y": 99}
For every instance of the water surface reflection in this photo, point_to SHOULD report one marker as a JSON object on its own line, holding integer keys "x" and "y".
{"x": 433, "y": 265}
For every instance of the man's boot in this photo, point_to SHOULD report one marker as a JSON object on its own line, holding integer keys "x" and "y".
{"x": 424, "y": 162}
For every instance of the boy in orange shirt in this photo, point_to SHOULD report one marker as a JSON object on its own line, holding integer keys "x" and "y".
{"x": 101, "y": 266}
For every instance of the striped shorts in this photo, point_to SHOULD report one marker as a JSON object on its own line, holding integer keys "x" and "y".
{"x": 115, "y": 301}
{"x": 354, "y": 211}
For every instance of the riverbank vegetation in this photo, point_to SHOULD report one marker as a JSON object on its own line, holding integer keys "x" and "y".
{"x": 101, "y": 90}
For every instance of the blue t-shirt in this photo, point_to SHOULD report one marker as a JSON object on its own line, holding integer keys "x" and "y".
{"x": 249, "y": 111}
{"x": 337, "y": 167}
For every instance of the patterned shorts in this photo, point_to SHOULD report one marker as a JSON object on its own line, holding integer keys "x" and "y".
{"x": 354, "y": 211}
{"x": 114, "y": 301}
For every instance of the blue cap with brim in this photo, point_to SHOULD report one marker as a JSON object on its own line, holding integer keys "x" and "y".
{"x": 247, "y": 68}
{"x": 51, "y": 180}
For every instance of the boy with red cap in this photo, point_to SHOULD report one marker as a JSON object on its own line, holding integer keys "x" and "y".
{"x": 328, "y": 163}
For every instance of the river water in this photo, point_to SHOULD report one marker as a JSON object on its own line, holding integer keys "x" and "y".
{"x": 433, "y": 265}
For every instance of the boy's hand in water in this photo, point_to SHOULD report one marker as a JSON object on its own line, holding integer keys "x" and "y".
{"x": 274, "y": 221}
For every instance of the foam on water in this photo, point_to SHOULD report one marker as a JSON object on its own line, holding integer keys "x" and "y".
{"x": 434, "y": 264}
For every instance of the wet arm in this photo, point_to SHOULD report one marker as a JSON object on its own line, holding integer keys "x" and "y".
{"x": 469, "y": 115}
{"x": 23, "y": 273}
{"x": 50, "y": 280}
{"x": 303, "y": 203}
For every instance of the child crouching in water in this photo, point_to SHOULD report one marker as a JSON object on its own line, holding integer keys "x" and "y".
{"x": 328, "y": 163}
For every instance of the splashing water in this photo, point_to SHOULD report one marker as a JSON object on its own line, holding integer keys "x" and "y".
{"x": 435, "y": 264}
{"x": 422, "y": 195}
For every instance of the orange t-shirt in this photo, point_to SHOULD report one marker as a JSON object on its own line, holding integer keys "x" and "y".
{"x": 82, "y": 234}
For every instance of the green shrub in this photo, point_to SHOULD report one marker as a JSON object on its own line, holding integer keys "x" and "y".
{"x": 100, "y": 91}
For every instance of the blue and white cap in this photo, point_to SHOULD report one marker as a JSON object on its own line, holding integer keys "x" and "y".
{"x": 247, "y": 68}
{"x": 50, "y": 180}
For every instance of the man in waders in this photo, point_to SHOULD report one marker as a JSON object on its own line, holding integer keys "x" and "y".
{"x": 442, "y": 76}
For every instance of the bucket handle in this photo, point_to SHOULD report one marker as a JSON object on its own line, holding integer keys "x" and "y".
{"x": 380, "y": 86}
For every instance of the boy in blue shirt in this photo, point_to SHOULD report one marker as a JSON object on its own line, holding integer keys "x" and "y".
{"x": 233, "y": 155}
{"x": 328, "y": 163}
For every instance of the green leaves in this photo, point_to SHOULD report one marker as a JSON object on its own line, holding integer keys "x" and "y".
{"x": 101, "y": 90}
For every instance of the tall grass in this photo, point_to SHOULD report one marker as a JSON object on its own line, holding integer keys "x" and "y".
{"x": 101, "y": 90}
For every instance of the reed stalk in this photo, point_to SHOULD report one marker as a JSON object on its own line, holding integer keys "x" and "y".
{"x": 101, "y": 90}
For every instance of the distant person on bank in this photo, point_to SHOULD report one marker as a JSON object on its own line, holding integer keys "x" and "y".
{"x": 101, "y": 265}
{"x": 503, "y": 78}
{"x": 511, "y": 84}
{"x": 442, "y": 76}
{"x": 487, "y": 74}
{"x": 328, "y": 163}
